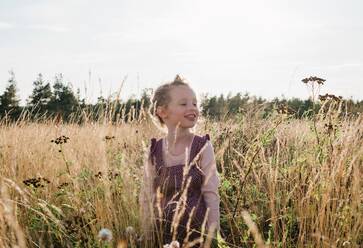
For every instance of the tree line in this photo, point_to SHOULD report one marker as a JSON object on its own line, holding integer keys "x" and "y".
{"x": 59, "y": 100}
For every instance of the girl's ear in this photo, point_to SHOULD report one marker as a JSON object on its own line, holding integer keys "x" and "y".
{"x": 161, "y": 112}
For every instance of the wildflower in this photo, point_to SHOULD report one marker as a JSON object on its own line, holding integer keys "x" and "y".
{"x": 130, "y": 231}
{"x": 105, "y": 235}
{"x": 173, "y": 244}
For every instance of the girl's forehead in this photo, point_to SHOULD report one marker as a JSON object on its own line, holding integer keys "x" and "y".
{"x": 181, "y": 91}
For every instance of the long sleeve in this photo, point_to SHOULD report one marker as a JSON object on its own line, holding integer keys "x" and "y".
{"x": 146, "y": 198}
{"x": 210, "y": 186}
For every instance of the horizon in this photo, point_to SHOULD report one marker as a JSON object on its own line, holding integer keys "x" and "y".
{"x": 23, "y": 102}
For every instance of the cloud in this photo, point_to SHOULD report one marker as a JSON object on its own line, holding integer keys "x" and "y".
{"x": 6, "y": 25}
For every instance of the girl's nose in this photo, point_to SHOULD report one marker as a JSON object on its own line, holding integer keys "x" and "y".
{"x": 194, "y": 107}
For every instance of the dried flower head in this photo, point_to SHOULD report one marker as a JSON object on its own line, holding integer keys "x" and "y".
{"x": 313, "y": 79}
{"x": 330, "y": 97}
{"x": 98, "y": 175}
{"x": 330, "y": 127}
{"x": 130, "y": 231}
{"x": 36, "y": 182}
{"x": 105, "y": 235}
{"x": 111, "y": 175}
{"x": 60, "y": 140}
{"x": 107, "y": 137}
{"x": 63, "y": 185}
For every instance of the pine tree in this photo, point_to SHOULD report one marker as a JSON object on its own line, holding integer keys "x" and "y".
{"x": 41, "y": 94}
{"x": 9, "y": 100}
{"x": 63, "y": 100}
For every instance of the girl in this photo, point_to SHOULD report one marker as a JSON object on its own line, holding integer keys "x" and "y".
{"x": 179, "y": 198}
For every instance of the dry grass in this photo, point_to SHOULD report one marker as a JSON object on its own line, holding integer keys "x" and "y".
{"x": 297, "y": 192}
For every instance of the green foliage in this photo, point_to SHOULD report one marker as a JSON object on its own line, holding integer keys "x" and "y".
{"x": 63, "y": 101}
{"x": 9, "y": 101}
{"x": 41, "y": 94}
{"x": 65, "y": 104}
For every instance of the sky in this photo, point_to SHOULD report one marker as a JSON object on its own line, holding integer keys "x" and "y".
{"x": 262, "y": 47}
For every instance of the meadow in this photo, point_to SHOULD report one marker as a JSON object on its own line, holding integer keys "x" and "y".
{"x": 285, "y": 182}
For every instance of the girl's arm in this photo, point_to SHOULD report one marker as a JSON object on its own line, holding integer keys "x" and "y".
{"x": 210, "y": 186}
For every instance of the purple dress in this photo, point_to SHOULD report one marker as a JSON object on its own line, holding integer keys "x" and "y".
{"x": 170, "y": 181}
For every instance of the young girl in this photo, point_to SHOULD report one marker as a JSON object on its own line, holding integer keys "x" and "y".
{"x": 179, "y": 198}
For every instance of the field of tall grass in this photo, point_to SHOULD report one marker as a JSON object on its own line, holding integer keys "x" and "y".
{"x": 299, "y": 181}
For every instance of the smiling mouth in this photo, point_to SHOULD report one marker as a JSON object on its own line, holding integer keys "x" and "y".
{"x": 191, "y": 117}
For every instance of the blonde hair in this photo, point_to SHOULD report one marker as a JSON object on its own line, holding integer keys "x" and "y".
{"x": 162, "y": 97}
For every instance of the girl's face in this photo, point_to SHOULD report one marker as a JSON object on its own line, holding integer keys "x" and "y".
{"x": 182, "y": 108}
